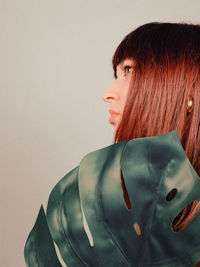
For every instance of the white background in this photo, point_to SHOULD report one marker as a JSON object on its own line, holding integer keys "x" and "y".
{"x": 55, "y": 63}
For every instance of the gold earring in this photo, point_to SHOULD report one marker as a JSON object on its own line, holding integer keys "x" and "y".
{"x": 190, "y": 104}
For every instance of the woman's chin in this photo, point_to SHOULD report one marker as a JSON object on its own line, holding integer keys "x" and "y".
{"x": 116, "y": 125}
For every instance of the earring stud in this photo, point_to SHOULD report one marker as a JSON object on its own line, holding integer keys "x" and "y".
{"x": 190, "y": 104}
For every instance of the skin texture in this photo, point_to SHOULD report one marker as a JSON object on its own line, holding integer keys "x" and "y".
{"x": 116, "y": 93}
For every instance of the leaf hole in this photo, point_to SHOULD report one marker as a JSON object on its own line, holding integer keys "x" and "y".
{"x": 87, "y": 229}
{"x": 125, "y": 193}
{"x": 171, "y": 195}
{"x": 185, "y": 216}
{"x": 137, "y": 228}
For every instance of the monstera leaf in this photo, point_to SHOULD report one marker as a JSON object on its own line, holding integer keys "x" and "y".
{"x": 39, "y": 249}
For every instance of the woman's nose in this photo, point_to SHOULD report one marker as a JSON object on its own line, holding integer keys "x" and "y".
{"x": 110, "y": 93}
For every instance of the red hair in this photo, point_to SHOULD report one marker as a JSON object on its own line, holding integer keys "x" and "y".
{"x": 166, "y": 76}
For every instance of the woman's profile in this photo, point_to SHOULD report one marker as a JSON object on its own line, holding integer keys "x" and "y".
{"x": 135, "y": 202}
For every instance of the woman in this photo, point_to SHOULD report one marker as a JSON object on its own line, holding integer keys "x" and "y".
{"x": 136, "y": 202}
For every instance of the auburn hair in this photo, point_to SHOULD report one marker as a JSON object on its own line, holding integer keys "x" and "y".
{"x": 165, "y": 77}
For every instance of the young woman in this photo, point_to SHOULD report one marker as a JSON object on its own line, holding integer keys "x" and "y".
{"x": 157, "y": 80}
{"x": 136, "y": 202}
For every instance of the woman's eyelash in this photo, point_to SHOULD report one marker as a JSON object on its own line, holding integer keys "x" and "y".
{"x": 127, "y": 69}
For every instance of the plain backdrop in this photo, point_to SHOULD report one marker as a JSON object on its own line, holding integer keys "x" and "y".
{"x": 55, "y": 63}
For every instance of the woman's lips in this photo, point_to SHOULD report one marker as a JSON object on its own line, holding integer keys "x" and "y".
{"x": 113, "y": 114}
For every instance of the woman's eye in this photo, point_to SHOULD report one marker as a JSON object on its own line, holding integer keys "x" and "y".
{"x": 127, "y": 69}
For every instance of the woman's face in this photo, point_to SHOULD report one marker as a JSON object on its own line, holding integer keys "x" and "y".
{"x": 116, "y": 93}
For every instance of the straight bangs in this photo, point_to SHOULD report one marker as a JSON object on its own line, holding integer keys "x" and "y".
{"x": 166, "y": 75}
